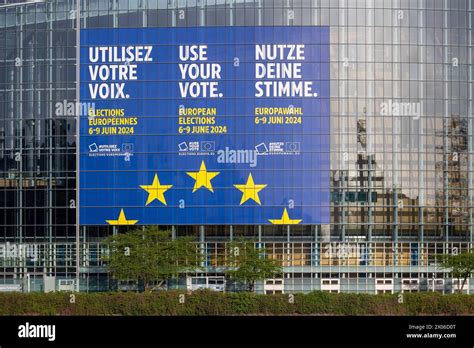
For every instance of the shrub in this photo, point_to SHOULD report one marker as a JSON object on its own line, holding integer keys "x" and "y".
{"x": 213, "y": 303}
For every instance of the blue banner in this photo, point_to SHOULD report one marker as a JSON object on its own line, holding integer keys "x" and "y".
{"x": 209, "y": 125}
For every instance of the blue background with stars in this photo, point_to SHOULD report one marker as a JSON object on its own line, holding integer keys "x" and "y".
{"x": 111, "y": 183}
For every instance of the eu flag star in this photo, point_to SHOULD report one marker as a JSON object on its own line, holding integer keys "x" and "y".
{"x": 156, "y": 191}
{"x": 250, "y": 190}
{"x": 203, "y": 178}
{"x": 285, "y": 220}
{"x": 122, "y": 220}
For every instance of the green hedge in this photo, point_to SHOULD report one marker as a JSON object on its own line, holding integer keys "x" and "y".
{"x": 213, "y": 303}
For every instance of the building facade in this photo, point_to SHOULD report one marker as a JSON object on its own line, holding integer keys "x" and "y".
{"x": 402, "y": 147}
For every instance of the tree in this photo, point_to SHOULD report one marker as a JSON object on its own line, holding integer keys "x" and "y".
{"x": 149, "y": 255}
{"x": 460, "y": 265}
{"x": 248, "y": 263}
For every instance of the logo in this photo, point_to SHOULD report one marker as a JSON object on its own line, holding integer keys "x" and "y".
{"x": 276, "y": 147}
{"x": 292, "y": 147}
{"x": 183, "y": 146}
{"x": 392, "y": 108}
{"x": 279, "y": 148}
{"x": 19, "y": 251}
{"x": 237, "y": 156}
{"x": 261, "y": 148}
{"x": 208, "y": 146}
{"x": 37, "y": 331}
{"x": 69, "y": 108}
{"x": 125, "y": 150}
{"x": 127, "y": 147}
{"x": 197, "y": 148}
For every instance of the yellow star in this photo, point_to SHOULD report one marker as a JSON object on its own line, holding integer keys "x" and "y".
{"x": 203, "y": 178}
{"x": 122, "y": 220}
{"x": 285, "y": 220}
{"x": 156, "y": 191}
{"x": 250, "y": 190}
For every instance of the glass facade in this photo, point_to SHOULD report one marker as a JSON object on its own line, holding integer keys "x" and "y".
{"x": 401, "y": 142}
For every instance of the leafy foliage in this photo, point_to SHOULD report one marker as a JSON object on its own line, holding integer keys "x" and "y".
{"x": 248, "y": 263}
{"x": 150, "y": 256}
{"x": 243, "y": 303}
{"x": 460, "y": 266}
